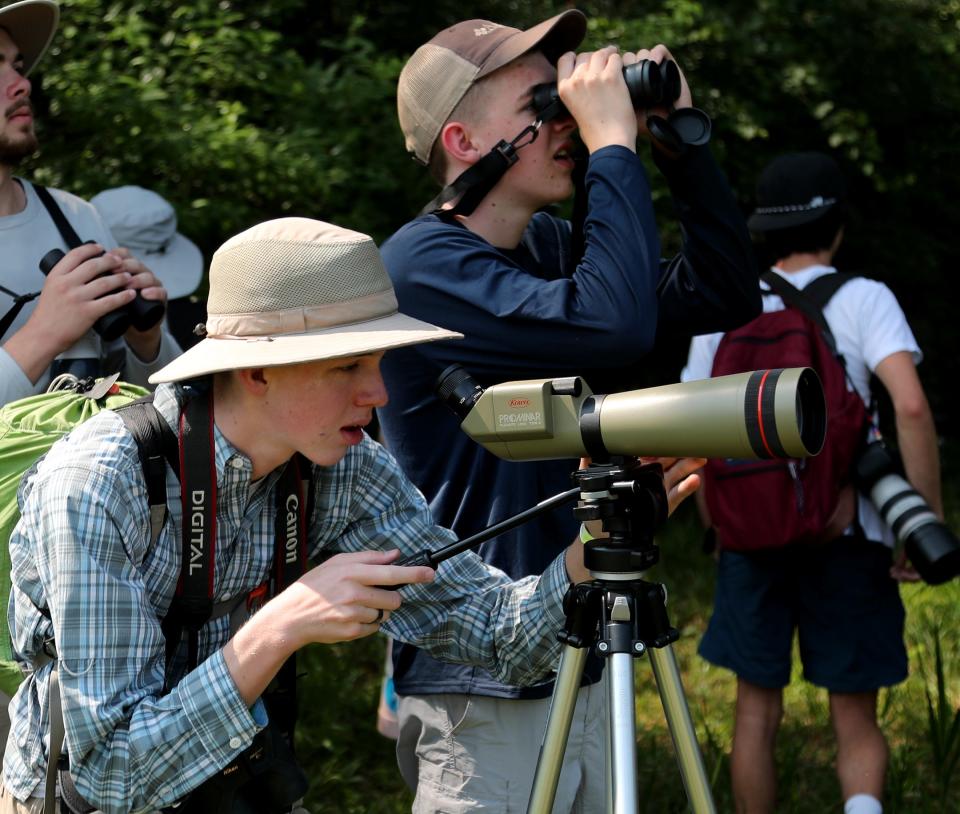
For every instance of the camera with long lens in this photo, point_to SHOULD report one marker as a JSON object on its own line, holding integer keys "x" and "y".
{"x": 931, "y": 547}
{"x": 777, "y": 413}
{"x": 141, "y": 313}
{"x": 651, "y": 84}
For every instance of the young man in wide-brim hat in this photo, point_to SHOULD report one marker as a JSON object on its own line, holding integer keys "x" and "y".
{"x": 300, "y": 315}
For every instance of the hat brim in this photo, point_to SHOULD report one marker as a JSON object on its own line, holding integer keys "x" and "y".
{"x": 215, "y": 355}
{"x": 179, "y": 267}
{"x": 774, "y": 221}
{"x": 554, "y": 37}
{"x": 31, "y": 25}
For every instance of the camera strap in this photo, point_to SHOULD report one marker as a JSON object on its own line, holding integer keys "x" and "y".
{"x": 193, "y": 605}
{"x": 193, "y": 602}
{"x": 473, "y": 184}
{"x": 66, "y": 231}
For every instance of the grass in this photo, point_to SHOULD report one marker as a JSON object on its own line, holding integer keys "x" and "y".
{"x": 352, "y": 767}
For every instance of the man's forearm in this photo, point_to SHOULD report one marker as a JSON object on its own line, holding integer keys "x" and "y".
{"x": 917, "y": 439}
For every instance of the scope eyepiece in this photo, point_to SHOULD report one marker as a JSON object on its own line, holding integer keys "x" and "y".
{"x": 458, "y": 390}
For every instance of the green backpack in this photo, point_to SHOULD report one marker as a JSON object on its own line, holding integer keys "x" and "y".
{"x": 28, "y": 428}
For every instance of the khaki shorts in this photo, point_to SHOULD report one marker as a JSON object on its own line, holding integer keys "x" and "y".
{"x": 11, "y": 805}
{"x": 461, "y": 753}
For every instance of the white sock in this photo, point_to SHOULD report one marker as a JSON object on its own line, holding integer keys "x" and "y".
{"x": 862, "y": 804}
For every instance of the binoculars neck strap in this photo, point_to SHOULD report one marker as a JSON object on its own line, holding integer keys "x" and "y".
{"x": 473, "y": 184}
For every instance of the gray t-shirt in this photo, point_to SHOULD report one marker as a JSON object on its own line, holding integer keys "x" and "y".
{"x": 25, "y": 238}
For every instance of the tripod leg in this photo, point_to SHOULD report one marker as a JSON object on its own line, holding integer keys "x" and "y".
{"x": 622, "y": 714}
{"x": 675, "y": 708}
{"x": 608, "y": 742}
{"x": 562, "y": 706}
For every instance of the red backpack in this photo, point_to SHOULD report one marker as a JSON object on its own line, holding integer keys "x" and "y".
{"x": 767, "y": 504}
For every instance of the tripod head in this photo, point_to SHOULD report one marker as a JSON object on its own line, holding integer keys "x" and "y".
{"x": 630, "y": 501}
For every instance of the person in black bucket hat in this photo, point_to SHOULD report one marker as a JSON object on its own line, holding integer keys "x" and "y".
{"x": 842, "y": 595}
{"x": 796, "y": 189}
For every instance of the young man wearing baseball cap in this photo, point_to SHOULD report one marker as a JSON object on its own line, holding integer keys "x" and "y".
{"x": 841, "y": 597}
{"x": 300, "y": 313}
{"x": 48, "y": 321}
{"x": 510, "y": 277}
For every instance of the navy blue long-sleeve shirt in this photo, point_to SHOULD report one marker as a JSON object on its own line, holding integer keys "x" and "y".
{"x": 530, "y": 312}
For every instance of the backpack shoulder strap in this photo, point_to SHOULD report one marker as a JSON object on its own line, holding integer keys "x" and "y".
{"x": 795, "y": 298}
{"x": 63, "y": 225}
{"x": 156, "y": 445}
{"x": 823, "y": 288}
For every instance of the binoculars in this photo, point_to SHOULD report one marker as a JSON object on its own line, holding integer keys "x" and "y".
{"x": 651, "y": 84}
{"x": 140, "y": 313}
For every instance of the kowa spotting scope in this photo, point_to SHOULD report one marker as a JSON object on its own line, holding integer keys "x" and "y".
{"x": 779, "y": 413}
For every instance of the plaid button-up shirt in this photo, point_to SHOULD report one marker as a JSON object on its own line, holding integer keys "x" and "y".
{"x": 82, "y": 553}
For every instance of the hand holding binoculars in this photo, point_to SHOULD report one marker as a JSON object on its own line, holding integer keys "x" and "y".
{"x": 651, "y": 84}
{"x": 141, "y": 313}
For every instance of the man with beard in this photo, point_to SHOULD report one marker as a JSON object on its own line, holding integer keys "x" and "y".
{"x": 48, "y": 321}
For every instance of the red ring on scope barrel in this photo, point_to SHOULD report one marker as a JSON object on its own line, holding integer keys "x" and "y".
{"x": 760, "y": 416}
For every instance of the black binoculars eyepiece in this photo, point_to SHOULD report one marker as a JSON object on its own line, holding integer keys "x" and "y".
{"x": 651, "y": 84}
{"x": 140, "y": 313}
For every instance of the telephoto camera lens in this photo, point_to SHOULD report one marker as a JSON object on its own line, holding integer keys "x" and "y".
{"x": 932, "y": 548}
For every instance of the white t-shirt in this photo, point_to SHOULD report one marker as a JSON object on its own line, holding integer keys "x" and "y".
{"x": 24, "y": 239}
{"x": 868, "y": 326}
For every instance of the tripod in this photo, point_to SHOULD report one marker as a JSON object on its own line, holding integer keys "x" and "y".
{"x": 624, "y": 617}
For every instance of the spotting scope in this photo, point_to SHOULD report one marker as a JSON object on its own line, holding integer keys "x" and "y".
{"x": 777, "y": 413}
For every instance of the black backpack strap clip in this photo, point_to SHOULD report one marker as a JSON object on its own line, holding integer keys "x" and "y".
{"x": 156, "y": 446}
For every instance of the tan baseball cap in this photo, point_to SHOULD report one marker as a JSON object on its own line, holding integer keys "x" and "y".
{"x": 297, "y": 290}
{"x": 439, "y": 73}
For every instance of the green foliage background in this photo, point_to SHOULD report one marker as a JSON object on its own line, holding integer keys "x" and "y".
{"x": 238, "y": 111}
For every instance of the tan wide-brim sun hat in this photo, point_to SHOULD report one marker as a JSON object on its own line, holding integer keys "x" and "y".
{"x": 297, "y": 290}
{"x": 31, "y": 24}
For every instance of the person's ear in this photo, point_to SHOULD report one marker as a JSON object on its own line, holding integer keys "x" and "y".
{"x": 456, "y": 140}
{"x": 253, "y": 380}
